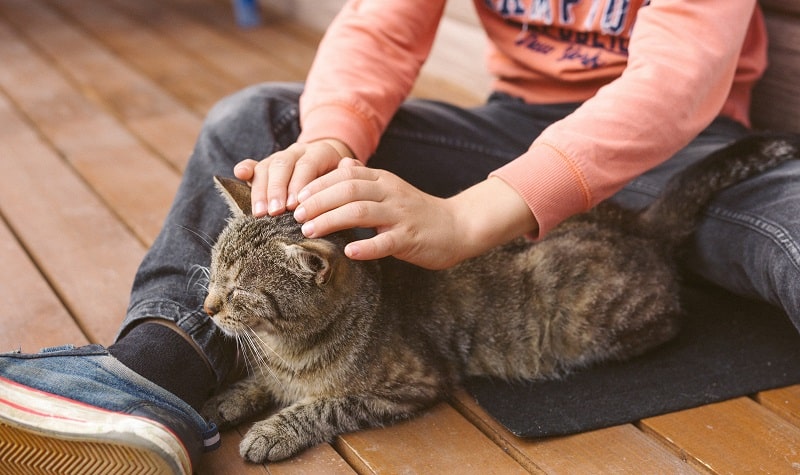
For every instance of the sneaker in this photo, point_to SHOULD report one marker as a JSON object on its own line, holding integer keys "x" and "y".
{"x": 71, "y": 410}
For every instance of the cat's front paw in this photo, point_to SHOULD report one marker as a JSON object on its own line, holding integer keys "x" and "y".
{"x": 225, "y": 410}
{"x": 269, "y": 441}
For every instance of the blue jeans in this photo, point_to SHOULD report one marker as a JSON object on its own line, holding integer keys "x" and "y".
{"x": 748, "y": 242}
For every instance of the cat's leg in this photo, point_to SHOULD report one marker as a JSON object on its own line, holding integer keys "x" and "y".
{"x": 308, "y": 423}
{"x": 238, "y": 402}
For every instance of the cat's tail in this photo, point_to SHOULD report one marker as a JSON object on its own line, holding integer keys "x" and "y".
{"x": 673, "y": 217}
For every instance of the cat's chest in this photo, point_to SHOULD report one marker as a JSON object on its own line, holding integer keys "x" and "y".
{"x": 293, "y": 377}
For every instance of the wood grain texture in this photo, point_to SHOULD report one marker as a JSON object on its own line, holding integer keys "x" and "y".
{"x": 438, "y": 441}
{"x": 31, "y": 315}
{"x": 735, "y": 436}
{"x": 87, "y": 256}
{"x": 135, "y": 182}
{"x": 621, "y": 449}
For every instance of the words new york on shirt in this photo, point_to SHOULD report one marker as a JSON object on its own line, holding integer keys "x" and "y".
{"x": 577, "y": 30}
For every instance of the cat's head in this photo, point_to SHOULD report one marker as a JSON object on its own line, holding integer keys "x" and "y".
{"x": 266, "y": 276}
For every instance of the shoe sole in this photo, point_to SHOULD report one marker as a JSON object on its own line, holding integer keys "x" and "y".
{"x": 45, "y": 433}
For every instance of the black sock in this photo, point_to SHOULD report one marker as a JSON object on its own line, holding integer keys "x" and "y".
{"x": 164, "y": 357}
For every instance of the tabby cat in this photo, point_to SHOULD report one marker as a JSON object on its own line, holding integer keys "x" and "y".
{"x": 340, "y": 345}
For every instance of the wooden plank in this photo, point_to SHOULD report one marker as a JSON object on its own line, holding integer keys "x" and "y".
{"x": 785, "y": 402}
{"x": 462, "y": 11}
{"x": 111, "y": 84}
{"x": 457, "y": 40}
{"x": 313, "y": 14}
{"x": 137, "y": 184}
{"x": 193, "y": 83}
{"x": 237, "y": 60}
{"x": 281, "y": 38}
{"x": 88, "y": 257}
{"x": 106, "y": 81}
{"x": 735, "y": 436}
{"x": 320, "y": 459}
{"x": 620, "y": 449}
{"x": 93, "y": 255}
{"x": 435, "y": 88}
{"x": 226, "y": 460}
{"x": 438, "y": 441}
{"x": 31, "y": 316}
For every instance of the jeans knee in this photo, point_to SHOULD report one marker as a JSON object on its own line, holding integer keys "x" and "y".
{"x": 752, "y": 256}
{"x": 782, "y": 274}
{"x": 253, "y": 122}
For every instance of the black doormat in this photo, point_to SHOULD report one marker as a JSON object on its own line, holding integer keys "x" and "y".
{"x": 728, "y": 347}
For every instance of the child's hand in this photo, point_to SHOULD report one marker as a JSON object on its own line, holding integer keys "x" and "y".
{"x": 277, "y": 179}
{"x": 411, "y": 225}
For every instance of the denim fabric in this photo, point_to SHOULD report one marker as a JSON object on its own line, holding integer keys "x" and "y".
{"x": 748, "y": 244}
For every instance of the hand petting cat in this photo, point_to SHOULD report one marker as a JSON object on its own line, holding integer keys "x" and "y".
{"x": 278, "y": 178}
{"x": 411, "y": 225}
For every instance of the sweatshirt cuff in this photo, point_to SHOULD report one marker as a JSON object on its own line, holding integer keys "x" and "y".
{"x": 338, "y": 121}
{"x": 551, "y": 185}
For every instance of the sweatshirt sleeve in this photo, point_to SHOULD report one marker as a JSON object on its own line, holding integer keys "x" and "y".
{"x": 682, "y": 59}
{"x": 365, "y": 66}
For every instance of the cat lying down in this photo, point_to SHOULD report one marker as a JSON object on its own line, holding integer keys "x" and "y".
{"x": 340, "y": 345}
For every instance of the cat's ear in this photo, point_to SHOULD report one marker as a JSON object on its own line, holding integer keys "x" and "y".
{"x": 312, "y": 259}
{"x": 236, "y": 193}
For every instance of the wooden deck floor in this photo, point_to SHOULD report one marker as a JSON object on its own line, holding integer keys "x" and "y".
{"x": 100, "y": 103}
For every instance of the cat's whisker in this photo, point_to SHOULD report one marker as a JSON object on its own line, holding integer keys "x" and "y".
{"x": 259, "y": 356}
{"x": 199, "y": 277}
{"x": 252, "y": 359}
{"x": 203, "y": 270}
{"x": 265, "y": 345}
{"x": 204, "y": 238}
{"x": 241, "y": 342}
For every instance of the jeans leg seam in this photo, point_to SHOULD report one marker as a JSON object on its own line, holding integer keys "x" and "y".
{"x": 167, "y": 309}
{"x": 642, "y": 187}
{"x": 772, "y": 231}
{"x": 285, "y": 119}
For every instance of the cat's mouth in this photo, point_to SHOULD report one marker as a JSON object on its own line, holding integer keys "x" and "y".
{"x": 226, "y": 326}
{"x": 233, "y": 327}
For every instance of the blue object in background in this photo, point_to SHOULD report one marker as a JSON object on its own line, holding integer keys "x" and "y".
{"x": 247, "y": 13}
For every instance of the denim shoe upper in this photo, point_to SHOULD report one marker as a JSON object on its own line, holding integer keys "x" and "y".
{"x": 90, "y": 375}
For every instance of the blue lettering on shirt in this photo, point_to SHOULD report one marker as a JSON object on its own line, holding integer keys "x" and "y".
{"x": 545, "y": 23}
{"x": 541, "y": 12}
{"x": 616, "y": 13}
{"x": 566, "y": 16}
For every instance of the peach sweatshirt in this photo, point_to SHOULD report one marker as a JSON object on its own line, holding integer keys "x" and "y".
{"x": 651, "y": 75}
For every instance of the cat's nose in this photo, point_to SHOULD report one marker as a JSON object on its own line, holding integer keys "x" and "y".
{"x": 210, "y": 306}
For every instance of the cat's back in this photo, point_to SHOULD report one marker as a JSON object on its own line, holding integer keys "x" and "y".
{"x": 529, "y": 309}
